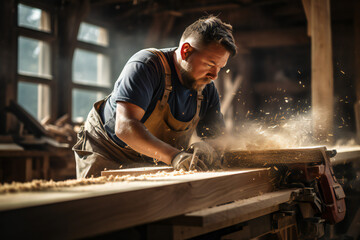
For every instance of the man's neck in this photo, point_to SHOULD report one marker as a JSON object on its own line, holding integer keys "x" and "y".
{"x": 177, "y": 61}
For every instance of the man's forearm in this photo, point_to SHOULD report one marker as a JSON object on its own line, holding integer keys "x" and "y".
{"x": 135, "y": 134}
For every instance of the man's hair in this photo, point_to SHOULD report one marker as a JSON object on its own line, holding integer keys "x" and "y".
{"x": 211, "y": 29}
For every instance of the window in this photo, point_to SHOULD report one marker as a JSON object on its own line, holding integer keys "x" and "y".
{"x": 34, "y": 57}
{"x": 33, "y": 98}
{"x": 91, "y": 68}
{"x": 33, "y": 18}
{"x": 83, "y": 101}
{"x": 93, "y": 34}
{"x": 91, "y": 71}
{"x": 34, "y": 61}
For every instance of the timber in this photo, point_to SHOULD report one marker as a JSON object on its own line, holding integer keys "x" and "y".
{"x": 321, "y": 71}
{"x": 357, "y": 66}
{"x": 243, "y": 158}
{"x": 136, "y": 171}
{"x": 96, "y": 209}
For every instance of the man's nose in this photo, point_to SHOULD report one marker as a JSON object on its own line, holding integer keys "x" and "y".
{"x": 213, "y": 73}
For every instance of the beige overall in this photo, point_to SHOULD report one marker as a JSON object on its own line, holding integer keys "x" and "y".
{"x": 95, "y": 150}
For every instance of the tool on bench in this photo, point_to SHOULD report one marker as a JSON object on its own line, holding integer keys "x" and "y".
{"x": 306, "y": 167}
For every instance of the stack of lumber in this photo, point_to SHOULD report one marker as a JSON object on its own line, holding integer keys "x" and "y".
{"x": 60, "y": 130}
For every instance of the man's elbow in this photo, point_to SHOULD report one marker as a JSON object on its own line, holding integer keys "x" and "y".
{"x": 125, "y": 128}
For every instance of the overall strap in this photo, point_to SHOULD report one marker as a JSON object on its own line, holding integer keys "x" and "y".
{"x": 200, "y": 97}
{"x": 167, "y": 71}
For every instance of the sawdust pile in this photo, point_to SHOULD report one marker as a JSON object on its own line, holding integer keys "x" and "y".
{"x": 43, "y": 185}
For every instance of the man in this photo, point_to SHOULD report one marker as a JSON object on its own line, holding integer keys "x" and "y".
{"x": 159, "y": 99}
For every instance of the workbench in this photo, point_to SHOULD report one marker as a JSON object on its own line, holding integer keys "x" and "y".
{"x": 85, "y": 211}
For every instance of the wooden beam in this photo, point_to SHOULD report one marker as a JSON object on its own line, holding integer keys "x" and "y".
{"x": 236, "y": 212}
{"x": 272, "y": 38}
{"x": 321, "y": 71}
{"x": 71, "y": 14}
{"x": 136, "y": 171}
{"x": 8, "y": 66}
{"x": 249, "y": 158}
{"x": 90, "y": 210}
{"x": 357, "y": 66}
{"x": 306, "y": 5}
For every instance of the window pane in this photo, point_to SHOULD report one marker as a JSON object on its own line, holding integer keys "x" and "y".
{"x": 91, "y": 68}
{"x": 34, "y": 57}
{"x": 82, "y": 102}
{"x": 35, "y": 99}
{"x": 33, "y": 18}
{"x": 93, "y": 34}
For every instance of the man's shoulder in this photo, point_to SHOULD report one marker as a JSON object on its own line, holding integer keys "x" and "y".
{"x": 147, "y": 55}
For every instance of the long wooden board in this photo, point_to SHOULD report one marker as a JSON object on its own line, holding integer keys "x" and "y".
{"x": 262, "y": 158}
{"x": 86, "y": 211}
{"x": 238, "y": 211}
{"x": 211, "y": 219}
{"x": 136, "y": 171}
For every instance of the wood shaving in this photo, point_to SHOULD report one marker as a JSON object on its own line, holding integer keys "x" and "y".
{"x": 43, "y": 185}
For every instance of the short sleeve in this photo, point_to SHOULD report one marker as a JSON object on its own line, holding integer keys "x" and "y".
{"x": 136, "y": 84}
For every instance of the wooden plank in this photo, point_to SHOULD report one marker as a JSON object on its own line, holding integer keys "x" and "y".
{"x": 237, "y": 212}
{"x": 347, "y": 155}
{"x": 321, "y": 71}
{"x": 32, "y": 124}
{"x": 86, "y": 211}
{"x": 136, "y": 171}
{"x": 28, "y": 169}
{"x": 248, "y": 230}
{"x": 243, "y": 158}
{"x": 46, "y": 167}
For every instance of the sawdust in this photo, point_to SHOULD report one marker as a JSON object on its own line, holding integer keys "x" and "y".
{"x": 287, "y": 134}
{"x": 43, "y": 185}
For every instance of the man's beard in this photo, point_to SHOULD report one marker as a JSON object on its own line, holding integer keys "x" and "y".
{"x": 189, "y": 81}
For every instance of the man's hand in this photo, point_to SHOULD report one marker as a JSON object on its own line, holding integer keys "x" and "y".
{"x": 207, "y": 154}
{"x": 188, "y": 161}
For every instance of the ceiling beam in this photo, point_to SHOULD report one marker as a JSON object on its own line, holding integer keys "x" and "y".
{"x": 271, "y": 38}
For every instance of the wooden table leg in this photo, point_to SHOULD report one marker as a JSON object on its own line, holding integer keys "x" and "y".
{"x": 46, "y": 164}
{"x": 28, "y": 169}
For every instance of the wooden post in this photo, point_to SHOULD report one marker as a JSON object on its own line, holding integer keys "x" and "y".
{"x": 72, "y": 13}
{"x": 322, "y": 71}
{"x": 307, "y": 7}
{"x": 8, "y": 59}
{"x": 357, "y": 65}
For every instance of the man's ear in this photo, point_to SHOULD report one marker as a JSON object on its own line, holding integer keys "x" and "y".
{"x": 186, "y": 50}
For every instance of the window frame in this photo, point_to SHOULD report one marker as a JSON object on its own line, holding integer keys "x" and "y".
{"x": 97, "y": 49}
{"x": 48, "y": 37}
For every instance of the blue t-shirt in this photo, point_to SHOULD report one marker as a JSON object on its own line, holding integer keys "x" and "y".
{"x": 142, "y": 83}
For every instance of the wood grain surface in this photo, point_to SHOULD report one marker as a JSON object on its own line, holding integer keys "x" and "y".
{"x": 136, "y": 171}
{"x": 263, "y": 158}
{"x": 86, "y": 211}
